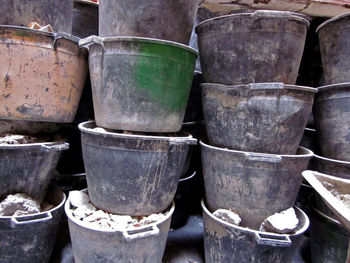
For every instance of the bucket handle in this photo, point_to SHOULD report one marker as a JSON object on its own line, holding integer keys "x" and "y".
{"x": 190, "y": 141}
{"x": 262, "y": 14}
{"x": 269, "y": 86}
{"x": 55, "y": 148}
{"x": 255, "y": 157}
{"x": 40, "y": 218}
{"x": 273, "y": 240}
{"x": 87, "y": 42}
{"x": 130, "y": 235}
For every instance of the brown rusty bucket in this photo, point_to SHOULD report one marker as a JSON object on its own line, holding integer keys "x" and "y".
{"x": 42, "y": 75}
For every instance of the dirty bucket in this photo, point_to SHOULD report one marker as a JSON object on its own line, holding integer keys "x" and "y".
{"x": 256, "y": 185}
{"x": 85, "y": 18}
{"x": 22, "y": 12}
{"x": 329, "y": 240}
{"x": 330, "y": 166}
{"x": 262, "y": 46}
{"x": 167, "y": 20}
{"x": 139, "y": 84}
{"x": 43, "y": 75}
{"x": 332, "y": 114}
{"x": 334, "y": 46}
{"x": 28, "y": 168}
{"x": 145, "y": 244}
{"x": 258, "y": 117}
{"x": 224, "y": 242}
{"x": 31, "y": 238}
{"x": 132, "y": 174}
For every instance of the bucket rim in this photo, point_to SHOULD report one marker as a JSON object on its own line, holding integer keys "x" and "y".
{"x": 52, "y": 210}
{"x": 331, "y": 20}
{"x": 264, "y": 86}
{"x": 86, "y": 2}
{"x": 187, "y": 178}
{"x": 264, "y": 13}
{"x": 88, "y": 226}
{"x": 98, "y": 40}
{"x": 333, "y": 86}
{"x": 252, "y": 231}
{"x": 331, "y": 160}
{"x": 27, "y": 146}
{"x": 306, "y": 152}
{"x": 179, "y": 139}
{"x": 327, "y": 217}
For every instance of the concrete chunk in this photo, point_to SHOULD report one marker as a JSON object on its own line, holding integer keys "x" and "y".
{"x": 281, "y": 223}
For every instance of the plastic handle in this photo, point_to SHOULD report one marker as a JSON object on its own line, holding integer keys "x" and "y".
{"x": 40, "y": 218}
{"x": 268, "y": 86}
{"x": 273, "y": 240}
{"x": 271, "y": 13}
{"x": 137, "y": 234}
{"x": 55, "y": 148}
{"x": 87, "y": 42}
{"x": 191, "y": 141}
{"x": 276, "y": 159}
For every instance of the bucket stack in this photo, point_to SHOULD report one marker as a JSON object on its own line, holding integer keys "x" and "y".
{"x": 141, "y": 71}
{"x": 255, "y": 116}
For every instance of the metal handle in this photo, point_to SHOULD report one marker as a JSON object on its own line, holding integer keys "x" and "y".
{"x": 87, "y": 42}
{"x": 255, "y": 157}
{"x": 55, "y": 147}
{"x": 273, "y": 240}
{"x": 137, "y": 234}
{"x": 42, "y": 217}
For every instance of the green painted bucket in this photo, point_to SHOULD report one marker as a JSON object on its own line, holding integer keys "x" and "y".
{"x": 139, "y": 84}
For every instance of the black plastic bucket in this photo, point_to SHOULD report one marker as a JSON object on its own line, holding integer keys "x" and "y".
{"x": 85, "y": 18}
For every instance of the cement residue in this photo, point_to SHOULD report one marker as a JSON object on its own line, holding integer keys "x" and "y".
{"x": 84, "y": 210}
{"x": 344, "y": 198}
{"x": 18, "y": 205}
{"x": 228, "y": 216}
{"x": 17, "y": 139}
{"x": 285, "y": 222}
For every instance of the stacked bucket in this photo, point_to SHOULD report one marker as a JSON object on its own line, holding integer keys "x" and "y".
{"x": 43, "y": 76}
{"x": 141, "y": 72}
{"x": 329, "y": 239}
{"x": 255, "y": 117}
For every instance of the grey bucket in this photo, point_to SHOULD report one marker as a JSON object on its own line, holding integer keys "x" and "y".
{"x": 22, "y": 12}
{"x": 145, "y": 244}
{"x": 334, "y": 46}
{"x": 331, "y": 166}
{"x": 31, "y": 238}
{"x": 329, "y": 240}
{"x": 256, "y": 185}
{"x": 85, "y": 18}
{"x": 132, "y": 174}
{"x": 28, "y": 168}
{"x": 139, "y": 84}
{"x": 167, "y": 20}
{"x": 262, "y": 46}
{"x": 332, "y": 114}
{"x": 258, "y": 117}
{"x": 224, "y": 242}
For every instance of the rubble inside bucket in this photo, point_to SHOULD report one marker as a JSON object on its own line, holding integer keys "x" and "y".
{"x": 21, "y": 204}
{"x": 17, "y": 139}
{"x": 228, "y": 216}
{"x": 285, "y": 222}
{"x": 344, "y": 198}
{"x": 84, "y": 210}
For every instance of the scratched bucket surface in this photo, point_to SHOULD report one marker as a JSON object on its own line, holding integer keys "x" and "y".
{"x": 28, "y": 168}
{"x": 145, "y": 244}
{"x": 139, "y": 84}
{"x": 262, "y": 46}
{"x": 224, "y": 242}
{"x": 132, "y": 174}
{"x": 160, "y": 19}
{"x": 42, "y": 75}
{"x": 31, "y": 238}
{"x": 255, "y": 185}
{"x": 22, "y": 12}
{"x": 258, "y": 117}
{"x": 334, "y": 47}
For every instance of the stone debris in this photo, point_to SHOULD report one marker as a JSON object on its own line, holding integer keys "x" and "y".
{"x": 100, "y": 129}
{"x": 16, "y": 139}
{"x": 18, "y": 205}
{"x": 228, "y": 216}
{"x": 344, "y": 198}
{"x": 281, "y": 223}
{"x": 84, "y": 210}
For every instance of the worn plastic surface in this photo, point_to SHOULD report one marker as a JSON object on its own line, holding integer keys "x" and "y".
{"x": 263, "y": 46}
{"x": 132, "y": 174}
{"x": 332, "y": 114}
{"x": 43, "y": 75}
{"x": 334, "y": 46}
{"x": 224, "y": 242}
{"x": 85, "y": 18}
{"x": 139, "y": 84}
{"x": 28, "y": 168}
{"x": 31, "y": 238}
{"x": 167, "y": 20}
{"x": 22, "y": 12}
{"x": 329, "y": 240}
{"x": 255, "y": 185}
{"x": 258, "y": 117}
{"x": 331, "y": 166}
{"x": 145, "y": 244}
